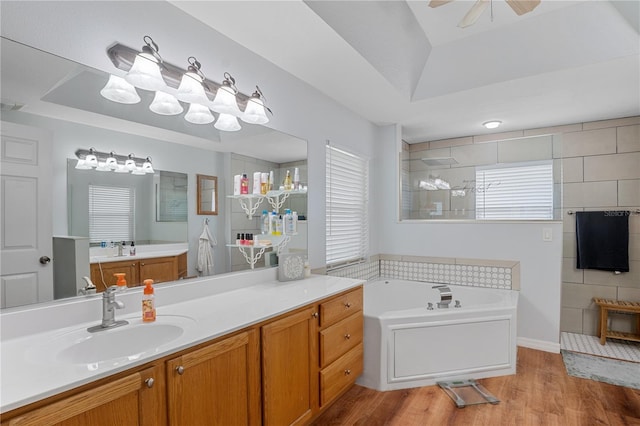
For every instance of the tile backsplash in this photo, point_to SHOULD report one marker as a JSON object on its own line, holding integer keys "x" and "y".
{"x": 469, "y": 272}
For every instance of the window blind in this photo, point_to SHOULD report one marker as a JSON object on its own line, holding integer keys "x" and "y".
{"x": 111, "y": 213}
{"x": 523, "y": 191}
{"x": 347, "y": 193}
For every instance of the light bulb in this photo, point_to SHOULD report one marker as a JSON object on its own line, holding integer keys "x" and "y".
{"x": 165, "y": 104}
{"x": 492, "y": 124}
{"x": 254, "y": 113}
{"x": 91, "y": 160}
{"x": 227, "y": 122}
{"x": 147, "y": 167}
{"x": 199, "y": 114}
{"x": 119, "y": 90}
{"x": 130, "y": 164}
{"x": 145, "y": 73}
{"x": 111, "y": 162}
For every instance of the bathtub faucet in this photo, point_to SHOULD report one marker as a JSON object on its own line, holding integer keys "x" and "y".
{"x": 445, "y": 296}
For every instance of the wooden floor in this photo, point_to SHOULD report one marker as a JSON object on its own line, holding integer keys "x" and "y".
{"x": 541, "y": 393}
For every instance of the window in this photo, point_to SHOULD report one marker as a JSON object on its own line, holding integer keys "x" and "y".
{"x": 111, "y": 213}
{"x": 515, "y": 191}
{"x": 347, "y": 194}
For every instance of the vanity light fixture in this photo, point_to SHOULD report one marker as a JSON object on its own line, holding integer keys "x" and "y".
{"x": 493, "y": 124}
{"x": 146, "y": 70}
{"x": 106, "y": 162}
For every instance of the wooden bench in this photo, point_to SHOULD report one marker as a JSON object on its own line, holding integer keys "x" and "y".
{"x": 607, "y": 305}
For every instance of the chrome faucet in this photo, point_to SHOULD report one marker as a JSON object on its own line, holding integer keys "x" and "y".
{"x": 445, "y": 296}
{"x": 109, "y": 306}
{"x": 120, "y": 247}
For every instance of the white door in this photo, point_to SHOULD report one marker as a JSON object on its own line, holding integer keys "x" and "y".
{"x": 26, "y": 272}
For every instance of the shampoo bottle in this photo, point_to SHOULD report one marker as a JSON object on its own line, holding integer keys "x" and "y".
{"x": 296, "y": 179}
{"x": 148, "y": 302}
{"x": 244, "y": 184}
{"x": 287, "y": 181}
{"x": 264, "y": 226}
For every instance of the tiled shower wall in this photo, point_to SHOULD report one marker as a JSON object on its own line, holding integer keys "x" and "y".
{"x": 470, "y": 272}
{"x": 601, "y": 171}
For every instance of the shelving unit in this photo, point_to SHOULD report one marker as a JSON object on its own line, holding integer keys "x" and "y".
{"x": 250, "y": 204}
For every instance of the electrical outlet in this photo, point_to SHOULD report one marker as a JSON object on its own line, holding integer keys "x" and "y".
{"x": 547, "y": 234}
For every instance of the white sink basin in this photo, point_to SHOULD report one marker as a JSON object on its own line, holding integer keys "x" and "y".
{"x": 128, "y": 342}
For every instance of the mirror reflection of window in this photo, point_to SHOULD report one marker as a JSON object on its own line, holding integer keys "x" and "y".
{"x": 111, "y": 213}
{"x": 171, "y": 197}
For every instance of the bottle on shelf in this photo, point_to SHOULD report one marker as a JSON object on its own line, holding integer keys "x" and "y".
{"x": 273, "y": 218}
{"x": 244, "y": 184}
{"x": 132, "y": 249}
{"x": 279, "y": 225}
{"x": 289, "y": 227}
{"x": 257, "y": 186}
{"x": 296, "y": 179}
{"x": 264, "y": 223}
{"x": 236, "y": 184}
{"x": 271, "y": 180}
{"x": 264, "y": 183}
{"x": 295, "y": 221}
{"x": 287, "y": 181}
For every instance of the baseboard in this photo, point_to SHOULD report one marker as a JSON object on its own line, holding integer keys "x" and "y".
{"x": 541, "y": 345}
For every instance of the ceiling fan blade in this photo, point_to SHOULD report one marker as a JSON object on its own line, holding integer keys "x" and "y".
{"x": 520, "y": 7}
{"x": 474, "y": 13}
{"x": 437, "y": 3}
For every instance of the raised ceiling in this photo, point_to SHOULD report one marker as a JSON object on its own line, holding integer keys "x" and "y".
{"x": 404, "y": 62}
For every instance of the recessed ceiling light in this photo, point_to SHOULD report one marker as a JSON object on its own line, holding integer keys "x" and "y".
{"x": 492, "y": 124}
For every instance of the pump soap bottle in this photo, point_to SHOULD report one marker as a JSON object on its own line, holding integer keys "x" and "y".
{"x": 148, "y": 302}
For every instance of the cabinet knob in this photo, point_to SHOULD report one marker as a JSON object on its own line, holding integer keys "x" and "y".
{"x": 314, "y": 315}
{"x": 347, "y": 336}
{"x": 133, "y": 265}
{"x": 180, "y": 370}
{"x": 347, "y": 305}
{"x": 347, "y": 372}
{"x": 44, "y": 260}
{"x": 141, "y": 263}
{"x": 149, "y": 382}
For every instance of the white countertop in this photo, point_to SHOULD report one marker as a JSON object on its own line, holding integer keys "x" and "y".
{"x": 218, "y": 305}
{"x": 103, "y": 255}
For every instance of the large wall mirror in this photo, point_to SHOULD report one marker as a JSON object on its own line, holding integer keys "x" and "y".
{"x": 514, "y": 179}
{"x": 62, "y": 98}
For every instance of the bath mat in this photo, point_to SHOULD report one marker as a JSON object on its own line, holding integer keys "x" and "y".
{"x": 612, "y": 371}
{"x": 467, "y": 392}
{"x": 620, "y": 349}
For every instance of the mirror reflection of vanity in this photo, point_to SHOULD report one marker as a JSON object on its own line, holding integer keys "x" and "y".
{"x": 63, "y": 98}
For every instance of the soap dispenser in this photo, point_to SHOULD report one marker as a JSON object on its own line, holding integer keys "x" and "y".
{"x": 121, "y": 281}
{"x": 148, "y": 302}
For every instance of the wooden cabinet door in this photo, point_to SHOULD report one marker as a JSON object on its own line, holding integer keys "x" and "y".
{"x": 216, "y": 385}
{"x": 289, "y": 369}
{"x": 102, "y": 273}
{"x": 159, "y": 269}
{"x": 130, "y": 400}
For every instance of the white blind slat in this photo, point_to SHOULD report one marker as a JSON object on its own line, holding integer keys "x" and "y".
{"x": 111, "y": 213}
{"x": 347, "y": 198}
{"x": 522, "y": 191}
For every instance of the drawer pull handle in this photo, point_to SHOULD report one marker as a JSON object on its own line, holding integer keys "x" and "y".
{"x": 149, "y": 382}
{"x": 347, "y": 372}
{"x": 347, "y": 336}
{"x": 314, "y": 315}
{"x": 180, "y": 370}
{"x": 347, "y": 305}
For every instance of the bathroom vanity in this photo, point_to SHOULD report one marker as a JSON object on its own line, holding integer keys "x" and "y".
{"x": 138, "y": 268}
{"x": 248, "y": 351}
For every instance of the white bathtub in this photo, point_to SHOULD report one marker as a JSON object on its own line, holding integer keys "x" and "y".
{"x": 406, "y": 345}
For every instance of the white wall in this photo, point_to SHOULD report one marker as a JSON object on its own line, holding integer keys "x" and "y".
{"x": 540, "y": 261}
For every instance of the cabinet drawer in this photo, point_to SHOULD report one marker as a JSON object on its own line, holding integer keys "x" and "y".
{"x": 339, "y": 338}
{"x": 341, "y": 374}
{"x": 341, "y": 307}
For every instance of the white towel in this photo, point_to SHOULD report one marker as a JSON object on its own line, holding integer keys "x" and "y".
{"x": 205, "y": 252}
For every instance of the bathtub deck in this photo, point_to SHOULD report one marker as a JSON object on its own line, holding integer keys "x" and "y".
{"x": 540, "y": 393}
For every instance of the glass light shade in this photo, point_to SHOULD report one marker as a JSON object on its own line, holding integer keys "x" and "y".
{"x": 147, "y": 167}
{"x": 130, "y": 165}
{"x": 199, "y": 114}
{"x": 145, "y": 73}
{"x": 191, "y": 89}
{"x": 82, "y": 165}
{"x": 442, "y": 184}
{"x": 111, "y": 163}
{"x": 138, "y": 171}
{"x": 227, "y": 122}
{"x": 91, "y": 160}
{"x": 165, "y": 104}
{"x": 119, "y": 90}
{"x": 121, "y": 169}
{"x": 254, "y": 113}
{"x": 225, "y": 102}
{"x": 427, "y": 185}
{"x": 102, "y": 167}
